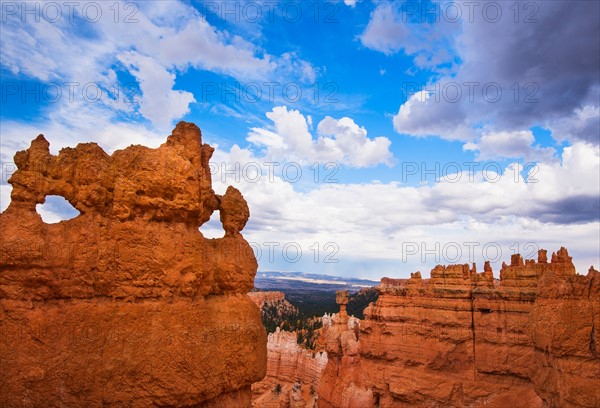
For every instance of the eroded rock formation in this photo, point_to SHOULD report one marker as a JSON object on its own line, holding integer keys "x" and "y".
{"x": 290, "y": 366}
{"x": 262, "y": 297}
{"x": 296, "y": 369}
{"x": 565, "y": 330}
{"x": 126, "y": 304}
{"x": 340, "y": 384}
{"x": 463, "y": 339}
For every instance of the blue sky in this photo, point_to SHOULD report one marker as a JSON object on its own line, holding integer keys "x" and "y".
{"x": 425, "y": 132}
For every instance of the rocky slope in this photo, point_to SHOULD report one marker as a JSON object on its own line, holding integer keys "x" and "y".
{"x": 126, "y": 304}
{"x": 463, "y": 339}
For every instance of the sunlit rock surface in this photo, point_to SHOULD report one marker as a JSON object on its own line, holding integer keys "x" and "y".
{"x": 126, "y": 305}
{"x": 463, "y": 339}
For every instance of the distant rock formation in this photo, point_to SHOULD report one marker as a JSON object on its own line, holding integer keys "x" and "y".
{"x": 294, "y": 368}
{"x": 260, "y": 297}
{"x": 127, "y": 304}
{"x": 360, "y": 300}
{"x": 339, "y": 384}
{"x": 463, "y": 339}
{"x": 297, "y": 369}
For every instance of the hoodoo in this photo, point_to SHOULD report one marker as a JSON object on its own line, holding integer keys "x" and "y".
{"x": 126, "y": 305}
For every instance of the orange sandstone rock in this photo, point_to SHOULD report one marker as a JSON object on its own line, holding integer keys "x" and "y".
{"x": 462, "y": 339}
{"x": 565, "y": 330}
{"x": 289, "y": 361}
{"x": 295, "y": 368}
{"x": 341, "y": 298}
{"x": 261, "y": 297}
{"x": 126, "y": 304}
{"x": 341, "y": 379}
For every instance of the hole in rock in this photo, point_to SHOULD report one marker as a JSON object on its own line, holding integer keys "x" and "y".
{"x": 213, "y": 227}
{"x": 56, "y": 209}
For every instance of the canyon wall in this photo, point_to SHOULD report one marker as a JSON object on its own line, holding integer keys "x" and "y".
{"x": 464, "y": 339}
{"x": 126, "y": 305}
{"x": 296, "y": 369}
{"x": 565, "y": 331}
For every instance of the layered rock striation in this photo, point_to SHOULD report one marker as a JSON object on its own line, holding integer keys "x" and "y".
{"x": 126, "y": 305}
{"x": 463, "y": 339}
{"x": 286, "y": 360}
{"x": 296, "y": 369}
{"x": 564, "y": 327}
{"x": 292, "y": 369}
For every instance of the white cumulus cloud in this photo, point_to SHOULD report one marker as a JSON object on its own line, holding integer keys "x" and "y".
{"x": 338, "y": 140}
{"x": 514, "y": 145}
{"x": 159, "y": 102}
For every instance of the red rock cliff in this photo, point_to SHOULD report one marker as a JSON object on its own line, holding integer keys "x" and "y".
{"x": 126, "y": 304}
{"x": 463, "y": 339}
{"x": 565, "y": 332}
